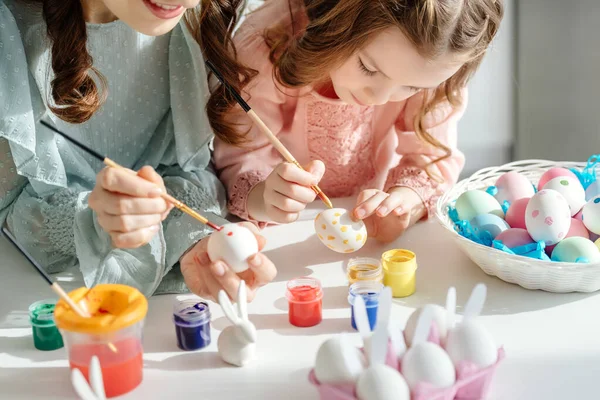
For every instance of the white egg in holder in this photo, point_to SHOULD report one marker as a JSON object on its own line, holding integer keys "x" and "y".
{"x": 233, "y": 244}
{"x": 339, "y": 232}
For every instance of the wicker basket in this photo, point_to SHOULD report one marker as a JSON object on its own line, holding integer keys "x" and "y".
{"x": 527, "y": 272}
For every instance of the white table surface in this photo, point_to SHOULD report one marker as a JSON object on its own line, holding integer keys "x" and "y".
{"x": 552, "y": 341}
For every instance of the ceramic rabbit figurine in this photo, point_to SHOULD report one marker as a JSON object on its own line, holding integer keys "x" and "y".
{"x": 237, "y": 343}
{"x": 96, "y": 391}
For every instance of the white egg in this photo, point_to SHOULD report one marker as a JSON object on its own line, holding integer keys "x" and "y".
{"x": 439, "y": 317}
{"x": 591, "y": 215}
{"x": 339, "y": 362}
{"x": 470, "y": 341}
{"x": 548, "y": 217}
{"x": 428, "y": 362}
{"x": 233, "y": 244}
{"x": 380, "y": 382}
{"x": 571, "y": 190}
{"x": 339, "y": 232}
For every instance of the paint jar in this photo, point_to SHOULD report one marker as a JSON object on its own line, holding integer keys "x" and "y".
{"x": 364, "y": 269}
{"x": 113, "y": 333}
{"x": 369, "y": 291}
{"x": 305, "y": 300}
{"x": 46, "y": 335}
{"x": 192, "y": 324}
{"x": 399, "y": 271}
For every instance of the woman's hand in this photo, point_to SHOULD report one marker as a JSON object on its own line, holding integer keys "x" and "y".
{"x": 206, "y": 278}
{"x": 128, "y": 205}
{"x": 388, "y": 215}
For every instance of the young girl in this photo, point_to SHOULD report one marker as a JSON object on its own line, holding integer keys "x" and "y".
{"x": 372, "y": 89}
{"x": 124, "y": 78}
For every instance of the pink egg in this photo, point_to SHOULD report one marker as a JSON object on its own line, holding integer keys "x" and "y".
{"x": 515, "y": 215}
{"x": 513, "y": 186}
{"x": 579, "y": 215}
{"x": 577, "y": 229}
{"x": 554, "y": 173}
{"x": 515, "y": 237}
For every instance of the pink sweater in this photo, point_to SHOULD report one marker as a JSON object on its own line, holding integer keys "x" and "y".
{"x": 363, "y": 147}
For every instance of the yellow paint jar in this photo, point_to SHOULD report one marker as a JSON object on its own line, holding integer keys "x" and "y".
{"x": 364, "y": 269}
{"x": 399, "y": 271}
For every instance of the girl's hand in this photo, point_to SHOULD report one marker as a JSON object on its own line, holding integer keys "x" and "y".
{"x": 388, "y": 215}
{"x": 206, "y": 278}
{"x": 287, "y": 190}
{"x": 128, "y": 205}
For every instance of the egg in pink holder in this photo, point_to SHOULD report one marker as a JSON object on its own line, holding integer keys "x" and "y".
{"x": 472, "y": 381}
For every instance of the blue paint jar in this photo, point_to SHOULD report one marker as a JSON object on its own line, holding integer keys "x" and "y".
{"x": 370, "y": 291}
{"x": 192, "y": 324}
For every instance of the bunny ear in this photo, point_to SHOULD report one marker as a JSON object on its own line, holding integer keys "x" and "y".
{"x": 451, "y": 307}
{"x": 96, "y": 379}
{"x": 242, "y": 301}
{"x": 397, "y": 339}
{"x": 228, "y": 307}
{"x": 385, "y": 306}
{"x": 423, "y": 326}
{"x": 379, "y": 344}
{"x": 360, "y": 317}
{"x": 81, "y": 386}
{"x": 476, "y": 301}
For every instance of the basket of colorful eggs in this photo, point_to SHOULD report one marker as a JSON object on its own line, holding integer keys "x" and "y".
{"x": 534, "y": 223}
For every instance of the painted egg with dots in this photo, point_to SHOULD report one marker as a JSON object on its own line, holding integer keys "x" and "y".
{"x": 233, "y": 244}
{"x": 576, "y": 250}
{"x": 571, "y": 190}
{"x": 515, "y": 215}
{"x": 513, "y": 186}
{"x": 590, "y": 215}
{"x": 339, "y": 232}
{"x": 554, "y": 173}
{"x": 548, "y": 217}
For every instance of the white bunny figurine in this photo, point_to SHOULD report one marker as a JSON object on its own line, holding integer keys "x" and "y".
{"x": 237, "y": 343}
{"x": 96, "y": 391}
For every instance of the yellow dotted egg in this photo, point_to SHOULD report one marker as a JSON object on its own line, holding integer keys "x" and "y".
{"x": 344, "y": 228}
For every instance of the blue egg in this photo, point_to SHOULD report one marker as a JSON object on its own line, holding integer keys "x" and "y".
{"x": 490, "y": 223}
{"x": 576, "y": 249}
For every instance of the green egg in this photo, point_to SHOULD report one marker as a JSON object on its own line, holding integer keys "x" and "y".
{"x": 576, "y": 249}
{"x": 476, "y": 202}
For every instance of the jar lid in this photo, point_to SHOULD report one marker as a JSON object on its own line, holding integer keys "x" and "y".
{"x": 191, "y": 312}
{"x": 112, "y": 307}
{"x": 304, "y": 290}
{"x": 41, "y": 313}
{"x": 399, "y": 261}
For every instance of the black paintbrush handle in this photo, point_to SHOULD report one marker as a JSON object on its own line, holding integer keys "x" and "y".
{"x": 37, "y": 266}
{"x": 75, "y": 142}
{"x": 233, "y": 92}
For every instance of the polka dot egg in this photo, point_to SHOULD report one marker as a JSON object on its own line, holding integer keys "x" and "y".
{"x": 548, "y": 217}
{"x": 339, "y": 232}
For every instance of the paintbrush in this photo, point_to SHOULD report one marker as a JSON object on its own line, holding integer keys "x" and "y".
{"x": 265, "y": 129}
{"x": 54, "y": 285}
{"x": 107, "y": 161}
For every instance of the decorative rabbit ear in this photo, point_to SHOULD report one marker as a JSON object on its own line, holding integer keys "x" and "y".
{"x": 360, "y": 317}
{"x": 423, "y": 326}
{"x": 476, "y": 301}
{"x": 81, "y": 386}
{"x": 397, "y": 338}
{"x": 228, "y": 307}
{"x": 450, "y": 307}
{"x": 242, "y": 301}
{"x": 379, "y": 344}
{"x": 385, "y": 306}
{"x": 96, "y": 378}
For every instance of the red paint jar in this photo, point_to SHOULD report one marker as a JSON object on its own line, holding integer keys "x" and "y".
{"x": 305, "y": 300}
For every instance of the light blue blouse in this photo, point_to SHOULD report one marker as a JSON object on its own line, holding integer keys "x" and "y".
{"x": 154, "y": 115}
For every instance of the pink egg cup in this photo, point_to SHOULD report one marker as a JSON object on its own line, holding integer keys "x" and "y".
{"x": 472, "y": 382}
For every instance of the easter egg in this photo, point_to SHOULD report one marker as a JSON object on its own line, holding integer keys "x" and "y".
{"x": 592, "y": 190}
{"x": 513, "y": 186}
{"x": 577, "y": 229}
{"x": 548, "y": 217}
{"x": 474, "y": 202}
{"x": 514, "y": 237}
{"x": 490, "y": 223}
{"x": 339, "y": 232}
{"x": 515, "y": 215}
{"x": 233, "y": 244}
{"x": 591, "y": 215}
{"x": 576, "y": 249}
{"x": 554, "y": 173}
{"x": 571, "y": 190}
